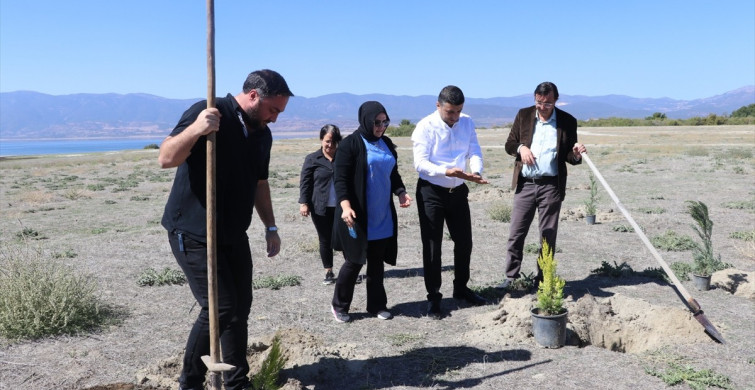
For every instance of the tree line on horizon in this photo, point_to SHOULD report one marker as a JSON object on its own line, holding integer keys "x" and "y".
{"x": 745, "y": 115}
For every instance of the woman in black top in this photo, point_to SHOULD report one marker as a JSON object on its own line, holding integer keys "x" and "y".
{"x": 317, "y": 194}
{"x": 366, "y": 178}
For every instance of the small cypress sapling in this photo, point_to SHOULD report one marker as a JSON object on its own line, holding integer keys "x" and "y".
{"x": 550, "y": 293}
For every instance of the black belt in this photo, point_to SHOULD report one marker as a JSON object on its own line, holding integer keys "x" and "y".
{"x": 539, "y": 180}
{"x": 441, "y": 188}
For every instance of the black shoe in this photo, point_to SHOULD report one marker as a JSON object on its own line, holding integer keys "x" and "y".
{"x": 471, "y": 298}
{"x": 330, "y": 278}
{"x": 433, "y": 310}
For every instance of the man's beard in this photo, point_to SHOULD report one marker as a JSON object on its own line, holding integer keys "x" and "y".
{"x": 253, "y": 120}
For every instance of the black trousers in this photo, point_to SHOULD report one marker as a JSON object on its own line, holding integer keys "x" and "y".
{"x": 324, "y": 227}
{"x": 234, "y": 269}
{"x": 343, "y": 293}
{"x": 435, "y": 206}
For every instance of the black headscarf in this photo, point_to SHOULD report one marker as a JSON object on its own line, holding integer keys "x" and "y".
{"x": 368, "y": 111}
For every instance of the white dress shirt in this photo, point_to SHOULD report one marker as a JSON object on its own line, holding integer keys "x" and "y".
{"x": 438, "y": 147}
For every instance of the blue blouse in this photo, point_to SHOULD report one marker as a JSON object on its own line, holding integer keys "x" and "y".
{"x": 380, "y": 162}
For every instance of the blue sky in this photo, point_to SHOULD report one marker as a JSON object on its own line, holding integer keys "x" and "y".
{"x": 678, "y": 49}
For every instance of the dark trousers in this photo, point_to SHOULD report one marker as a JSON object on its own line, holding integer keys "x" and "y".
{"x": 347, "y": 278}
{"x": 324, "y": 227}
{"x": 435, "y": 206}
{"x": 234, "y": 269}
{"x": 528, "y": 198}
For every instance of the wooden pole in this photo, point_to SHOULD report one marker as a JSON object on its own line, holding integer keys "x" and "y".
{"x": 214, "y": 360}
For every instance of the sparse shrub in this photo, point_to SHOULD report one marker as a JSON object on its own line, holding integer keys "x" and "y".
{"x": 651, "y": 210}
{"x": 68, "y": 254}
{"x": 74, "y": 194}
{"x": 401, "y": 339}
{"x": 524, "y": 283}
{"x": 30, "y": 234}
{"x": 533, "y": 248}
{"x": 487, "y": 292}
{"x": 276, "y": 282}
{"x": 96, "y": 187}
{"x": 745, "y": 236}
{"x": 681, "y": 270}
{"x": 742, "y": 205}
{"x": 99, "y": 230}
{"x": 500, "y": 212}
{"x": 40, "y": 297}
{"x": 614, "y": 271}
{"x": 139, "y": 198}
{"x": 696, "y": 380}
{"x": 623, "y": 229}
{"x": 267, "y": 377}
{"x": 167, "y": 276}
{"x": 109, "y": 201}
{"x": 672, "y": 242}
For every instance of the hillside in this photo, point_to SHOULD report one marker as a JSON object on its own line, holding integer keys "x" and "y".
{"x": 33, "y": 115}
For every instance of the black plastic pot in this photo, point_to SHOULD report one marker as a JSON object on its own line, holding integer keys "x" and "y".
{"x": 549, "y": 331}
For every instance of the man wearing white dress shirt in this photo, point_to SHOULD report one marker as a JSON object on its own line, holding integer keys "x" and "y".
{"x": 444, "y": 142}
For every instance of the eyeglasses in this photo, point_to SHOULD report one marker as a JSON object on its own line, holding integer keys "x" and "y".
{"x": 544, "y": 104}
{"x": 384, "y": 123}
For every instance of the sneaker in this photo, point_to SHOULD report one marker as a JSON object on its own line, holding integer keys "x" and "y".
{"x": 330, "y": 278}
{"x": 340, "y": 317}
{"x": 384, "y": 315}
{"x": 433, "y": 311}
{"x": 505, "y": 284}
{"x": 361, "y": 278}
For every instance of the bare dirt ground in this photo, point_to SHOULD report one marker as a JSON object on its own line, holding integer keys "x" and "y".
{"x": 106, "y": 208}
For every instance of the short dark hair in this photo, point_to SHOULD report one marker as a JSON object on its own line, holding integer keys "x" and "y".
{"x": 452, "y": 95}
{"x": 267, "y": 83}
{"x": 332, "y": 129}
{"x": 545, "y": 88}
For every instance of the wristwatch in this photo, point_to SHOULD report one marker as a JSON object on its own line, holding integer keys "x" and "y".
{"x": 271, "y": 229}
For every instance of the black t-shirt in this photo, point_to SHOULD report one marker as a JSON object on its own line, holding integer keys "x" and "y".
{"x": 240, "y": 161}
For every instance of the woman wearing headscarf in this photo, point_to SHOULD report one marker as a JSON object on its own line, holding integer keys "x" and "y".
{"x": 365, "y": 227}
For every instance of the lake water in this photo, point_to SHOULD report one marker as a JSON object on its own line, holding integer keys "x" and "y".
{"x": 67, "y": 146}
{"x": 72, "y": 146}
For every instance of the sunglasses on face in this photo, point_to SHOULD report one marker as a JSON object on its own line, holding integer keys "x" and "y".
{"x": 384, "y": 123}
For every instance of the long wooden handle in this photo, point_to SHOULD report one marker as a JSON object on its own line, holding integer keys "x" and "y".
{"x": 691, "y": 301}
{"x": 212, "y": 247}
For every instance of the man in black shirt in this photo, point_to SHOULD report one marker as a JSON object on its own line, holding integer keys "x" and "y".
{"x": 243, "y": 142}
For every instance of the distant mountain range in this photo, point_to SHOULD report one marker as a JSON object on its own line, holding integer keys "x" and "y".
{"x": 33, "y": 115}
